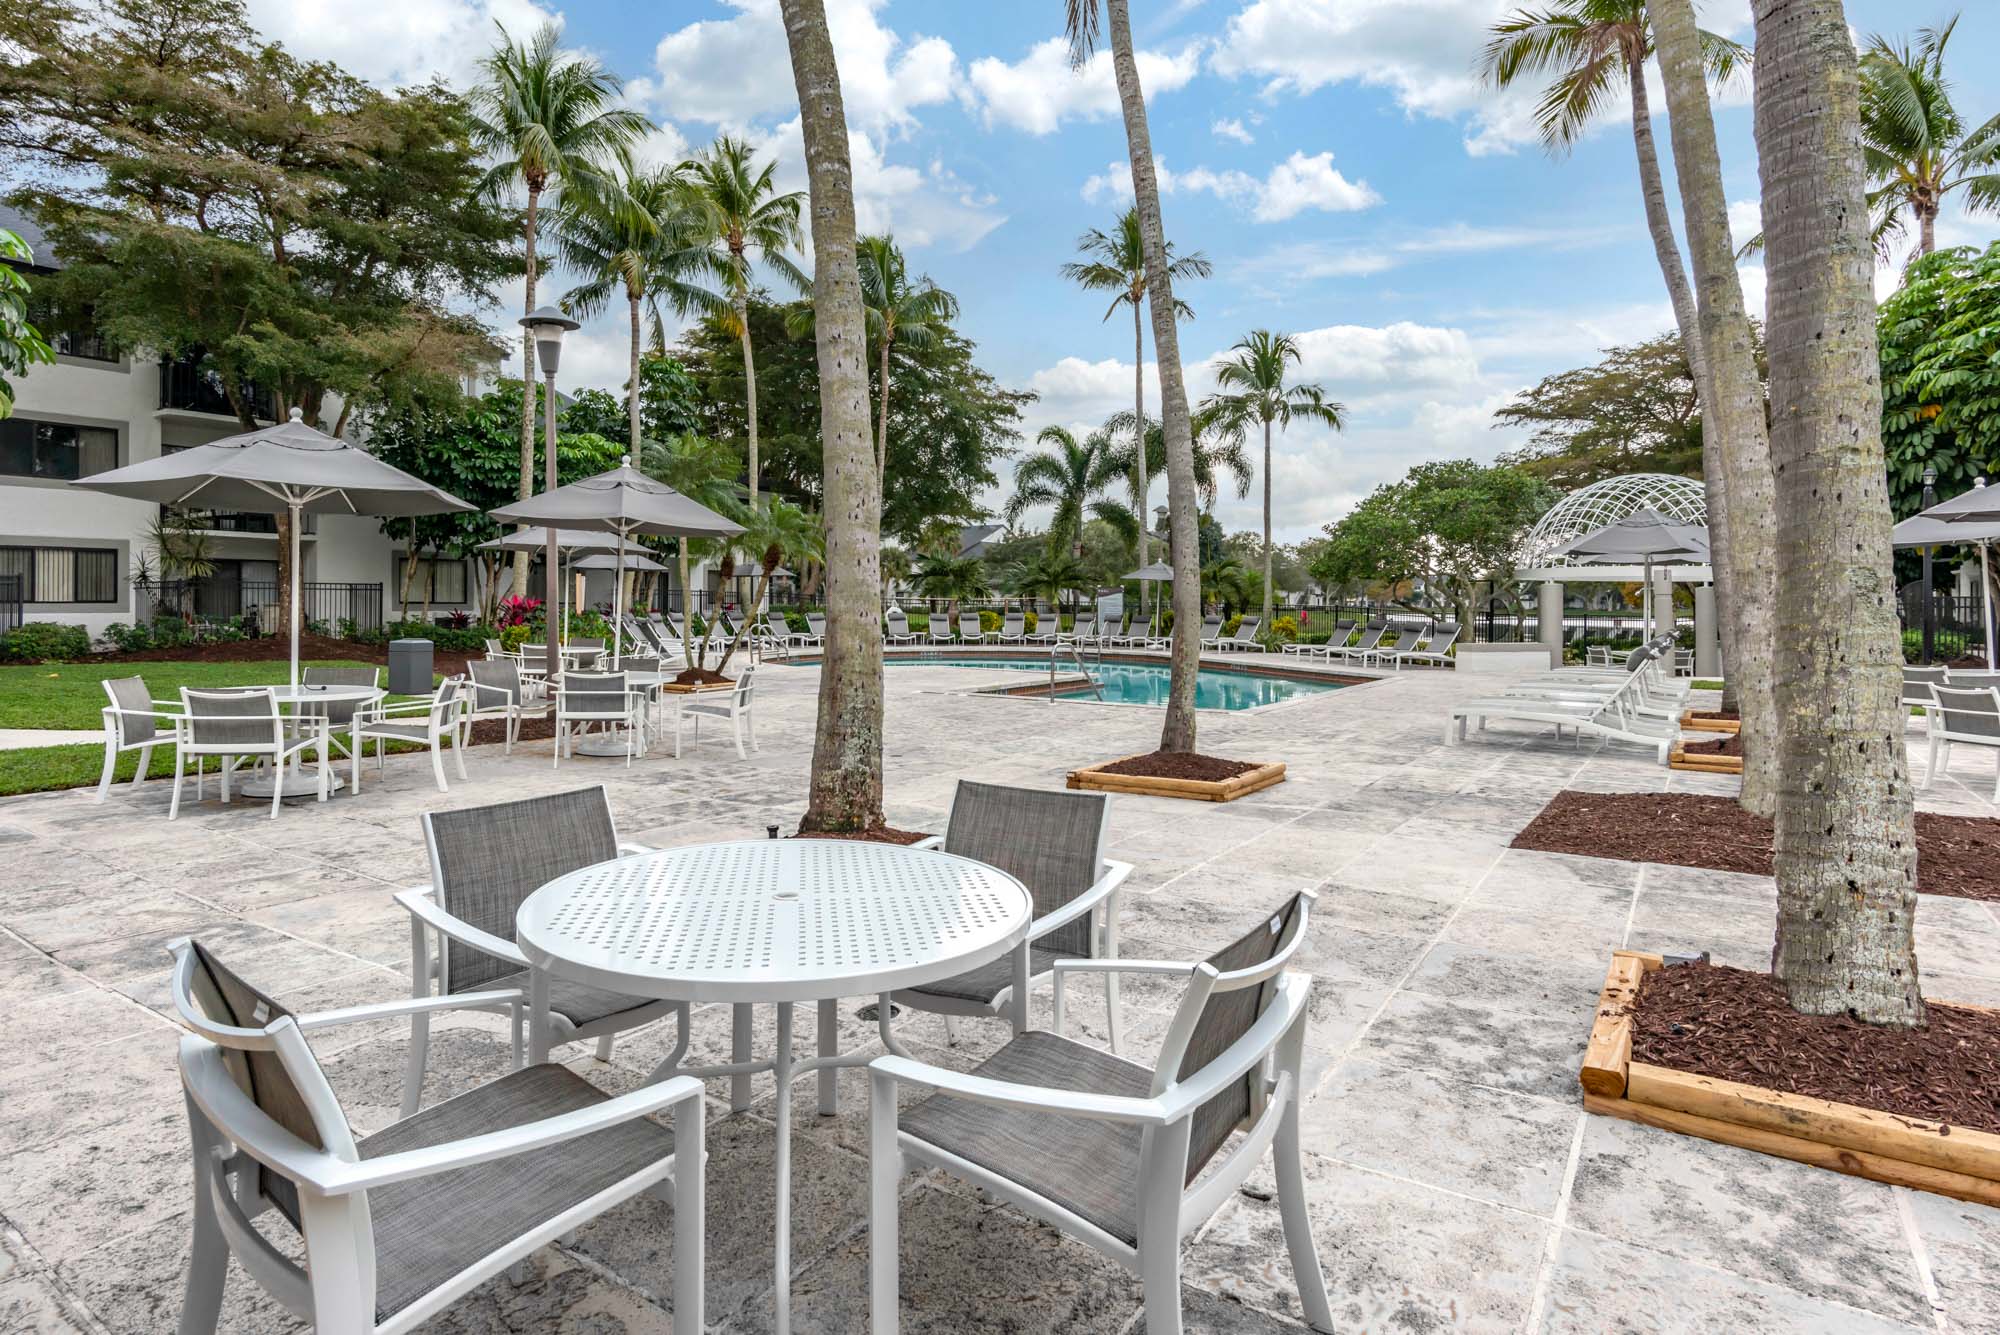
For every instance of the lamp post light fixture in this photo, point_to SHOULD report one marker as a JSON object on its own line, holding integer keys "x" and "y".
{"x": 1160, "y": 514}
{"x": 547, "y": 325}
{"x": 1930, "y": 601}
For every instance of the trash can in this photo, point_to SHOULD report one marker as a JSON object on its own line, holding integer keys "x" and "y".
{"x": 410, "y": 667}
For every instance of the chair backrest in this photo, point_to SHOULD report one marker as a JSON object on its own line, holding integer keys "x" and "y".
{"x": 1051, "y": 839}
{"x": 1969, "y": 715}
{"x": 232, "y": 718}
{"x": 486, "y": 860}
{"x": 1442, "y": 638}
{"x": 496, "y": 683}
{"x": 1406, "y": 639}
{"x": 134, "y": 723}
{"x": 582, "y": 642}
{"x": 1232, "y": 989}
{"x": 1083, "y": 623}
{"x": 534, "y": 656}
{"x": 1211, "y": 626}
{"x": 1013, "y": 624}
{"x": 1971, "y": 679}
{"x": 599, "y": 694}
{"x": 1372, "y": 635}
{"x": 635, "y": 663}
{"x": 745, "y": 687}
{"x": 899, "y": 624}
{"x": 1246, "y": 629}
{"x": 494, "y": 649}
{"x": 939, "y": 626}
{"x": 338, "y": 711}
{"x": 1917, "y": 683}
{"x": 816, "y": 622}
{"x": 968, "y": 626}
{"x": 673, "y": 626}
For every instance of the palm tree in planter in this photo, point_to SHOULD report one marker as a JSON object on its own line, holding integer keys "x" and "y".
{"x": 952, "y": 578}
{"x": 777, "y": 532}
{"x": 1254, "y": 393}
{"x": 1071, "y": 480}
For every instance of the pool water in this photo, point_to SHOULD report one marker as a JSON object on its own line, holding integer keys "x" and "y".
{"x": 1146, "y": 683}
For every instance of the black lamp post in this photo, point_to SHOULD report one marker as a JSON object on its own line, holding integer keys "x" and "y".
{"x": 547, "y": 326}
{"x": 1930, "y": 602}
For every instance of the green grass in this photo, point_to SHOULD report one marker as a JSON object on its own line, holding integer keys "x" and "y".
{"x": 1707, "y": 685}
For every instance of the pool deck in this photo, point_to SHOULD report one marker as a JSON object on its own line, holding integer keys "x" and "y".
{"x": 1454, "y": 1181}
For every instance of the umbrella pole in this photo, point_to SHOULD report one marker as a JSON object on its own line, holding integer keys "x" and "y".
{"x": 1986, "y": 600}
{"x": 294, "y": 507}
{"x": 618, "y": 603}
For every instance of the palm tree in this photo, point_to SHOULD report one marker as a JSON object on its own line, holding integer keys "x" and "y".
{"x": 700, "y": 469}
{"x": 1215, "y": 454}
{"x": 1846, "y": 860}
{"x": 1081, "y": 20}
{"x": 1050, "y": 574}
{"x": 895, "y": 566}
{"x": 1225, "y": 584}
{"x": 1254, "y": 392}
{"x": 1071, "y": 480}
{"x": 637, "y": 240}
{"x": 951, "y": 578}
{"x": 1116, "y": 263}
{"x": 899, "y": 310}
{"x": 777, "y": 532}
{"x": 546, "y": 115}
{"x": 741, "y": 215}
{"x": 1914, "y": 140}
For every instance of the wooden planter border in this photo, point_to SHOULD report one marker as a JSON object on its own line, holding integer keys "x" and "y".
{"x": 1690, "y": 723}
{"x": 1703, "y": 763}
{"x": 1863, "y": 1142}
{"x": 1093, "y": 778}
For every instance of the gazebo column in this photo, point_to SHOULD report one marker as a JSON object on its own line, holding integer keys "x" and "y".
{"x": 1663, "y": 602}
{"x": 1707, "y": 662}
{"x": 1549, "y": 619}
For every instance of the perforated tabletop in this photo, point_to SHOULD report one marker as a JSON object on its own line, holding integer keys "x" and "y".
{"x": 772, "y": 920}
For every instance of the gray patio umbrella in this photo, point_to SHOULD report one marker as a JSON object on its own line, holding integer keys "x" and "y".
{"x": 537, "y": 540}
{"x": 291, "y": 467}
{"x": 1159, "y": 572}
{"x": 610, "y": 561}
{"x": 625, "y": 503}
{"x": 1645, "y": 536}
{"x": 1971, "y": 516}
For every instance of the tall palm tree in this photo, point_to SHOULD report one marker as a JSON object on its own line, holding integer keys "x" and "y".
{"x": 1914, "y": 141}
{"x": 743, "y": 219}
{"x": 1115, "y": 262}
{"x": 546, "y": 116}
{"x": 900, "y": 310}
{"x": 1082, "y": 19}
{"x": 1736, "y": 449}
{"x": 952, "y": 578}
{"x": 1846, "y": 853}
{"x": 1215, "y": 454}
{"x": 1254, "y": 393}
{"x": 846, "y": 782}
{"x": 1071, "y": 480}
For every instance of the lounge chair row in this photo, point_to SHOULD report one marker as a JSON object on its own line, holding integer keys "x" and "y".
{"x": 1369, "y": 651}
{"x": 1640, "y": 703}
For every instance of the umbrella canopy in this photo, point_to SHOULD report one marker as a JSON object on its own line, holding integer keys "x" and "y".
{"x": 1159, "y": 571}
{"x": 609, "y": 561}
{"x": 1970, "y": 516}
{"x": 291, "y": 467}
{"x": 1980, "y": 505}
{"x": 1643, "y": 535}
{"x": 1924, "y": 531}
{"x": 537, "y": 540}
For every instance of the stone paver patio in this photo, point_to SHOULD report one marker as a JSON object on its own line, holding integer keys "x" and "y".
{"x": 1455, "y": 1181}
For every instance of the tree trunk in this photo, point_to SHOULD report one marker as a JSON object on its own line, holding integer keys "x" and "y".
{"x": 527, "y": 487}
{"x": 632, "y": 394}
{"x": 1139, "y": 432}
{"x": 1926, "y": 229}
{"x": 749, "y": 384}
{"x": 882, "y": 429}
{"x": 1264, "y": 626}
{"x": 1739, "y": 431}
{"x": 1846, "y": 852}
{"x": 846, "y": 783}
{"x": 1660, "y": 224}
{"x": 1177, "y": 731}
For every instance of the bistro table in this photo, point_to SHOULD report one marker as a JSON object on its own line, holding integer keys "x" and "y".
{"x": 777, "y": 921}
{"x": 298, "y": 697}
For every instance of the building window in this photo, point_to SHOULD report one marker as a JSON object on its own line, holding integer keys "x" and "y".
{"x": 446, "y": 580}
{"x": 55, "y": 449}
{"x": 63, "y": 574}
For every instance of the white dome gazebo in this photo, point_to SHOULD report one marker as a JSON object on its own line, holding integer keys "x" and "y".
{"x": 1542, "y": 559}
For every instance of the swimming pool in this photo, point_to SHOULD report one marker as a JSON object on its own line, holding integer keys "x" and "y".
{"x": 1146, "y": 683}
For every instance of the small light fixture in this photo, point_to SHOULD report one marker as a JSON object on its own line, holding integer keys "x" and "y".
{"x": 1930, "y": 475}
{"x": 547, "y": 326}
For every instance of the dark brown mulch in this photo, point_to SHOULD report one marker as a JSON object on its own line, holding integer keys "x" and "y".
{"x": 881, "y": 834}
{"x": 1181, "y": 765}
{"x": 1956, "y": 855}
{"x": 1736, "y": 1025}
{"x": 278, "y": 649}
{"x": 1729, "y": 714}
{"x": 699, "y": 676}
{"x": 493, "y": 731}
{"x": 1968, "y": 661}
{"x": 1730, "y": 744}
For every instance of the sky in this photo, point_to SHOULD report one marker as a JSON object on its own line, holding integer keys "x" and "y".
{"x": 1337, "y": 161}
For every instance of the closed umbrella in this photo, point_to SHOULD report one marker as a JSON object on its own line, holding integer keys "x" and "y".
{"x": 290, "y": 467}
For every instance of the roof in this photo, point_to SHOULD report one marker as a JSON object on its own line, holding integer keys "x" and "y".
{"x": 972, "y": 539}
{"x": 31, "y": 232}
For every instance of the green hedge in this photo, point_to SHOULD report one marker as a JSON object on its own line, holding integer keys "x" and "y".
{"x": 44, "y": 642}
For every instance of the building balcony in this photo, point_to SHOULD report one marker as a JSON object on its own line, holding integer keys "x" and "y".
{"x": 191, "y": 385}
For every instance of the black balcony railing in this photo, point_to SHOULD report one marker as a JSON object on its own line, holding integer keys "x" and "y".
{"x": 11, "y": 611}
{"x": 194, "y": 386}
{"x": 219, "y": 598}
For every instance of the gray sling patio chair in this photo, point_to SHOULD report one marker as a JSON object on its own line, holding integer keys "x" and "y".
{"x": 400, "y": 1224}
{"x": 339, "y": 714}
{"x": 1406, "y": 641}
{"x": 1211, "y": 631}
{"x": 937, "y": 628}
{"x": 132, "y": 722}
{"x": 1963, "y": 717}
{"x": 1082, "y": 629}
{"x": 1013, "y": 629}
{"x": 602, "y": 698}
{"x": 1436, "y": 650}
{"x": 896, "y": 628}
{"x": 1338, "y": 636}
{"x": 969, "y": 628}
{"x": 239, "y": 725}
{"x": 1053, "y": 840}
{"x": 485, "y": 862}
{"x": 427, "y": 723}
{"x": 1371, "y": 635}
{"x": 1972, "y": 679}
{"x": 496, "y": 692}
{"x": 1917, "y": 683}
{"x": 1048, "y": 627}
{"x": 1245, "y": 638}
{"x": 1127, "y": 1158}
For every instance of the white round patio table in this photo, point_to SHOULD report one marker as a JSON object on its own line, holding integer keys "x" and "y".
{"x": 297, "y": 785}
{"x": 770, "y": 920}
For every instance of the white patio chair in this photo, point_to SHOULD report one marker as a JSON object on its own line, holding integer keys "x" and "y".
{"x": 1013, "y": 629}
{"x": 1335, "y": 639}
{"x": 132, "y": 722}
{"x": 1048, "y": 627}
{"x": 897, "y": 628}
{"x": 969, "y": 631}
{"x": 1963, "y": 717}
{"x": 937, "y": 628}
{"x": 737, "y": 705}
{"x": 339, "y": 714}
{"x": 239, "y": 725}
{"x": 496, "y": 691}
{"x": 428, "y": 723}
{"x": 1082, "y": 630}
{"x": 1371, "y": 635}
{"x": 1211, "y": 631}
{"x": 400, "y": 1224}
{"x": 1406, "y": 642}
{"x": 1053, "y": 841}
{"x": 532, "y": 661}
{"x": 485, "y": 862}
{"x": 1127, "y": 1158}
{"x": 601, "y": 698}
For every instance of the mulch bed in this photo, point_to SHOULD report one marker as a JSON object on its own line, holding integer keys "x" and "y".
{"x": 1729, "y": 714}
{"x": 1733, "y": 1024}
{"x": 1732, "y": 745}
{"x": 1956, "y": 855}
{"x": 881, "y": 834}
{"x": 278, "y": 649}
{"x": 699, "y": 676}
{"x": 1179, "y": 765}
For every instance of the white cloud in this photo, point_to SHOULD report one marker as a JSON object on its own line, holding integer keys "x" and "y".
{"x": 1040, "y": 91}
{"x": 401, "y": 44}
{"x": 1746, "y": 220}
{"x": 922, "y": 206}
{"x": 1231, "y": 127}
{"x": 1464, "y": 238}
{"x": 1290, "y": 188}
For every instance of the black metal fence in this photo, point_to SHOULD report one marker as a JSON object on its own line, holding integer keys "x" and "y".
{"x": 1958, "y": 628}
{"x": 196, "y": 386}
{"x": 220, "y": 599}
{"x": 11, "y": 603}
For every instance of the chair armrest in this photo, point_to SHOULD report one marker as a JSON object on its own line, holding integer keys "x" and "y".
{"x": 418, "y": 901}
{"x": 1235, "y": 1061}
{"x": 376, "y": 1010}
{"x": 1183, "y": 967}
{"x": 934, "y": 841}
{"x": 369, "y": 1173}
{"x": 1041, "y": 1098}
{"x": 626, "y": 848}
{"x": 1105, "y": 885}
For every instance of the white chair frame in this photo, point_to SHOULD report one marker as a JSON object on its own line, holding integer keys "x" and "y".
{"x": 1168, "y": 1211}
{"x": 335, "y": 1290}
{"x": 444, "y": 721}
{"x": 513, "y": 711}
{"x": 163, "y": 712}
{"x": 740, "y": 709}
{"x": 1938, "y": 759}
{"x": 890, "y": 635}
{"x": 569, "y": 721}
{"x": 309, "y": 731}
{"x": 935, "y": 620}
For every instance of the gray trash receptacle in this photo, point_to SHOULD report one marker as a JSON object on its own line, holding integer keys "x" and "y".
{"x": 410, "y": 667}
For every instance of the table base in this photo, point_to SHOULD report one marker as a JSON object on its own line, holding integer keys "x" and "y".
{"x": 299, "y": 783}
{"x": 599, "y": 744}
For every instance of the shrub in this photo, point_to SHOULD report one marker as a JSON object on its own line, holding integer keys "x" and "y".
{"x": 1285, "y": 628}
{"x": 128, "y": 639}
{"x": 1231, "y": 624}
{"x": 469, "y": 640}
{"x": 1032, "y": 622}
{"x": 989, "y": 622}
{"x": 458, "y": 620}
{"x": 514, "y": 636}
{"x": 44, "y": 642}
{"x": 516, "y": 610}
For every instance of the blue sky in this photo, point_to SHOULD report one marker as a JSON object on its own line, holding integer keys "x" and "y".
{"x": 1335, "y": 159}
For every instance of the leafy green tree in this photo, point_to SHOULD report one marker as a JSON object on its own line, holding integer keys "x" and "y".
{"x": 1914, "y": 139}
{"x": 899, "y": 309}
{"x": 21, "y": 345}
{"x": 774, "y": 533}
{"x": 1052, "y": 574}
{"x": 1071, "y": 479}
{"x": 703, "y": 470}
{"x": 1447, "y": 525}
{"x": 1940, "y": 348}
{"x": 1253, "y": 393}
{"x": 1228, "y": 584}
{"x": 1215, "y": 455}
{"x": 952, "y": 578}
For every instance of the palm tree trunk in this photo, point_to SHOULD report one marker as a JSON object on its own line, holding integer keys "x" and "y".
{"x": 1739, "y": 432}
{"x": 846, "y": 783}
{"x": 742, "y": 303}
{"x": 1926, "y": 229}
{"x": 1177, "y": 731}
{"x": 882, "y": 428}
{"x": 632, "y": 394}
{"x": 1265, "y": 625}
{"x": 1139, "y": 430}
{"x": 1846, "y": 851}
{"x": 527, "y": 487}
